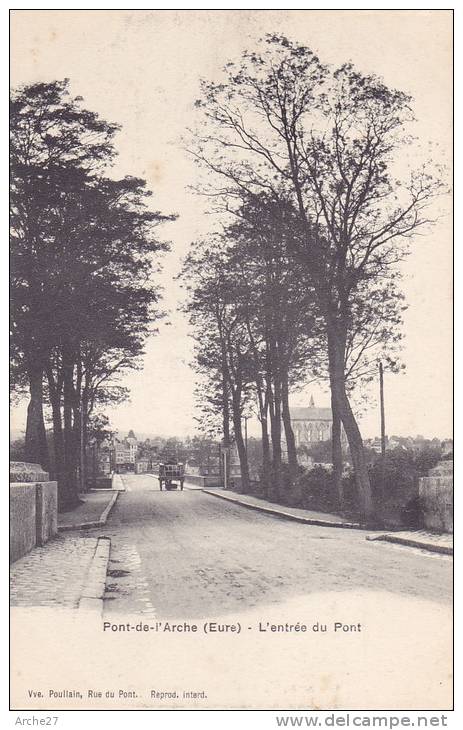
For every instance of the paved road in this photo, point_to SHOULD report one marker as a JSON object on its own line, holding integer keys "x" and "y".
{"x": 187, "y": 554}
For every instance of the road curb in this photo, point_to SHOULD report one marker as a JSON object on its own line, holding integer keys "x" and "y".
{"x": 286, "y": 515}
{"x": 91, "y": 600}
{"x": 96, "y": 523}
{"x": 117, "y": 479}
{"x": 410, "y": 542}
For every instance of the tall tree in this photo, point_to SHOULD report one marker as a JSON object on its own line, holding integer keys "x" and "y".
{"x": 282, "y": 321}
{"x": 331, "y": 138}
{"x": 258, "y": 325}
{"x": 51, "y": 137}
{"x": 83, "y": 250}
{"x": 222, "y": 351}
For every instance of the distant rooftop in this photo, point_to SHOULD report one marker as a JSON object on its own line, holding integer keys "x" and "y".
{"x": 310, "y": 413}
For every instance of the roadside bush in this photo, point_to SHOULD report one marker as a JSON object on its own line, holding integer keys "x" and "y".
{"x": 317, "y": 490}
{"x": 427, "y": 459}
{"x": 400, "y": 473}
{"x": 351, "y": 505}
{"x": 396, "y": 496}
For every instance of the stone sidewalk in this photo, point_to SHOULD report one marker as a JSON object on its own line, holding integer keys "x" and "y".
{"x": 309, "y": 517}
{"x": 53, "y": 575}
{"x": 93, "y": 512}
{"x": 436, "y": 543}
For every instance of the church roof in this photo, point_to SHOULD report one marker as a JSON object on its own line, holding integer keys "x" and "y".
{"x": 310, "y": 414}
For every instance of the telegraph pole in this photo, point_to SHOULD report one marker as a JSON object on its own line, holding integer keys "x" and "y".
{"x": 383, "y": 420}
{"x": 383, "y": 429}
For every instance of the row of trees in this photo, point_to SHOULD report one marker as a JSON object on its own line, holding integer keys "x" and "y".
{"x": 83, "y": 251}
{"x": 303, "y": 165}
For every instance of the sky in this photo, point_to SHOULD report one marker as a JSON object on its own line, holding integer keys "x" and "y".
{"x": 142, "y": 69}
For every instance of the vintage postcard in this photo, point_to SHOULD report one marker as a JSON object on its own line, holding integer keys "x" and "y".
{"x": 231, "y": 462}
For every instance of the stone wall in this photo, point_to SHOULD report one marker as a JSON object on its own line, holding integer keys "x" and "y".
{"x": 23, "y": 533}
{"x": 23, "y": 471}
{"x": 46, "y": 511}
{"x": 436, "y": 498}
{"x": 33, "y": 516}
{"x": 104, "y": 482}
{"x": 204, "y": 481}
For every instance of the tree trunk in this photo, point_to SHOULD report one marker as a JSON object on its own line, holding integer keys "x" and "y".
{"x": 275, "y": 431}
{"x": 293, "y": 489}
{"x": 36, "y": 440}
{"x": 78, "y": 434}
{"x": 240, "y": 445}
{"x": 64, "y": 498}
{"x": 70, "y": 451}
{"x": 263, "y": 417}
{"x": 336, "y": 451}
{"x": 225, "y": 416}
{"x": 59, "y": 453}
{"x": 94, "y": 463}
{"x": 84, "y": 465}
{"x": 289, "y": 433}
{"x": 266, "y": 465}
{"x": 264, "y": 486}
{"x": 343, "y": 408}
{"x": 78, "y": 426}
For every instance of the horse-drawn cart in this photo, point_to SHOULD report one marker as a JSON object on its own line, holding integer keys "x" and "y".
{"x": 170, "y": 475}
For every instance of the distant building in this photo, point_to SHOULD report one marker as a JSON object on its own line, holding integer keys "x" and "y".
{"x": 395, "y": 442}
{"x": 124, "y": 452}
{"x": 142, "y": 465}
{"x": 104, "y": 461}
{"x": 406, "y": 443}
{"x": 132, "y": 441}
{"x": 374, "y": 444}
{"x": 311, "y": 424}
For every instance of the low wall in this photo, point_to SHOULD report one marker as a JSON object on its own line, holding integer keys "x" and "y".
{"x": 46, "y": 511}
{"x": 436, "y": 498}
{"x": 23, "y": 533}
{"x": 204, "y": 481}
{"x": 104, "y": 482}
{"x": 33, "y": 516}
{"x": 23, "y": 471}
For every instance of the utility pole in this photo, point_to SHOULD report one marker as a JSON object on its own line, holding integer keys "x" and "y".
{"x": 383, "y": 429}
{"x": 381, "y": 402}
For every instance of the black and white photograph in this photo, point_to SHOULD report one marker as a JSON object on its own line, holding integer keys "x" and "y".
{"x": 231, "y": 407}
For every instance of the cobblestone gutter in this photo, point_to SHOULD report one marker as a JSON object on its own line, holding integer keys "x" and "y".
{"x": 95, "y": 584}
